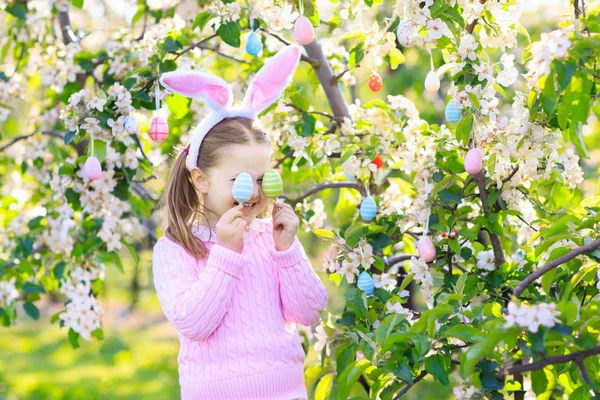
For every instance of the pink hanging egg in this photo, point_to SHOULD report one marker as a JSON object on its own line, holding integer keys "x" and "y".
{"x": 426, "y": 249}
{"x": 304, "y": 31}
{"x": 92, "y": 168}
{"x": 159, "y": 129}
{"x": 473, "y": 161}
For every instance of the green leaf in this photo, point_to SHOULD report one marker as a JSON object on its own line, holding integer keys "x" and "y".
{"x": 69, "y": 136}
{"x": 201, "y": 20}
{"x": 479, "y": 350}
{"x": 29, "y": 287}
{"x": 133, "y": 251}
{"x": 356, "y": 55}
{"x": 577, "y": 139}
{"x": 73, "y": 338}
{"x": 31, "y": 310}
{"x": 18, "y": 9}
{"x": 463, "y": 129}
{"x": 230, "y": 33}
{"x": 396, "y": 58}
{"x": 587, "y": 273}
{"x": 466, "y": 333}
{"x": 324, "y": 233}
{"x": 77, "y": 3}
{"x": 98, "y": 333}
{"x": 435, "y": 366}
{"x": 357, "y": 302}
{"x": 308, "y": 125}
{"x": 170, "y": 44}
{"x": 350, "y": 375}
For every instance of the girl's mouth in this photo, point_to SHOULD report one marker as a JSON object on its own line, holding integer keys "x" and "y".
{"x": 247, "y": 206}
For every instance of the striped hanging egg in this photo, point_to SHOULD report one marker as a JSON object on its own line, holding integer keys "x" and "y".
{"x": 272, "y": 184}
{"x": 243, "y": 187}
{"x": 253, "y": 44}
{"x": 368, "y": 208}
{"x": 159, "y": 129}
{"x": 452, "y": 112}
{"x": 365, "y": 282}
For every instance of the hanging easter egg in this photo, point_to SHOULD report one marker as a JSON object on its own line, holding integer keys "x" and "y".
{"x": 304, "y": 31}
{"x": 272, "y": 184}
{"x": 365, "y": 282}
{"x": 253, "y": 44}
{"x": 368, "y": 208}
{"x": 131, "y": 125}
{"x": 243, "y": 187}
{"x": 432, "y": 82}
{"x": 159, "y": 129}
{"x": 406, "y": 34}
{"x": 92, "y": 168}
{"x": 452, "y": 112}
{"x": 473, "y": 161}
{"x": 375, "y": 83}
{"x": 426, "y": 249}
{"x": 378, "y": 161}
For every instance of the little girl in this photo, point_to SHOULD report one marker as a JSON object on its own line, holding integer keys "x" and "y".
{"x": 232, "y": 281}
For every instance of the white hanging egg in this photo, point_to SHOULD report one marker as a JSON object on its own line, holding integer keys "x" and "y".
{"x": 243, "y": 187}
{"x": 368, "y": 208}
{"x": 406, "y": 34}
{"x": 365, "y": 282}
{"x": 432, "y": 82}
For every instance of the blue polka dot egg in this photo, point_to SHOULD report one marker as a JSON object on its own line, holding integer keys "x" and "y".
{"x": 368, "y": 208}
{"x": 452, "y": 112}
{"x": 253, "y": 44}
{"x": 365, "y": 282}
{"x": 243, "y": 187}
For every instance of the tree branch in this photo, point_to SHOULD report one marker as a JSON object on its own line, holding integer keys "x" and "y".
{"x": 552, "y": 360}
{"x": 555, "y": 263}
{"x": 398, "y": 258}
{"x": 65, "y": 27}
{"x": 23, "y": 137}
{"x": 331, "y": 117}
{"x": 324, "y": 186}
{"x": 408, "y": 386}
{"x": 494, "y": 239}
{"x": 471, "y": 26}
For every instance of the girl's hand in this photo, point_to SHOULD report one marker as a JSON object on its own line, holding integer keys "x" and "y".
{"x": 285, "y": 225}
{"x": 230, "y": 229}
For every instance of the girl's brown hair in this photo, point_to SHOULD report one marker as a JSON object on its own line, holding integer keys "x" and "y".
{"x": 184, "y": 204}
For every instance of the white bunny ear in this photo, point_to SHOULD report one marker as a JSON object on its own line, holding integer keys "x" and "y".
{"x": 270, "y": 81}
{"x": 189, "y": 83}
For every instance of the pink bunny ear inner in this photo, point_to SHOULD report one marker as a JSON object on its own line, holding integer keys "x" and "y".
{"x": 273, "y": 77}
{"x": 198, "y": 84}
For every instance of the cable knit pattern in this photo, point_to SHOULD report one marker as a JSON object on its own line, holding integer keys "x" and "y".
{"x": 236, "y": 314}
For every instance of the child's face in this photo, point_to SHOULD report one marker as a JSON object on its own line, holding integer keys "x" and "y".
{"x": 216, "y": 186}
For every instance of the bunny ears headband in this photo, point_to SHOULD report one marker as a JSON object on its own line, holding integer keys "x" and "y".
{"x": 265, "y": 88}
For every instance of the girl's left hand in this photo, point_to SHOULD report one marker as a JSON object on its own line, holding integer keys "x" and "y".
{"x": 285, "y": 225}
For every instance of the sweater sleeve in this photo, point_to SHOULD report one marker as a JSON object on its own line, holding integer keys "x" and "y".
{"x": 302, "y": 293}
{"x": 195, "y": 303}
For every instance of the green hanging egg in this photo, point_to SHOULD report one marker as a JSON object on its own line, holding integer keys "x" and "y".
{"x": 272, "y": 184}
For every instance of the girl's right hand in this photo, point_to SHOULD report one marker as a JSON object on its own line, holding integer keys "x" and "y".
{"x": 230, "y": 229}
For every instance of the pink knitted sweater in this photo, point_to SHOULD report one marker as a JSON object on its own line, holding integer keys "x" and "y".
{"x": 236, "y": 314}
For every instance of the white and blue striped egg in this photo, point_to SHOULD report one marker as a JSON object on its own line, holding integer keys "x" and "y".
{"x": 452, "y": 112}
{"x": 243, "y": 188}
{"x": 365, "y": 282}
{"x": 368, "y": 208}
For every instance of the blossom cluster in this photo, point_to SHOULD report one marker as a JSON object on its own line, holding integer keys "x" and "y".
{"x": 531, "y": 317}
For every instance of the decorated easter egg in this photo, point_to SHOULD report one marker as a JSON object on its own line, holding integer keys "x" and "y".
{"x": 92, "y": 168}
{"x": 432, "y": 82}
{"x": 243, "y": 187}
{"x": 375, "y": 83}
{"x": 304, "y": 31}
{"x": 452, "y": 112}
{"x": 253, "y": 44}
{"x": 473, "y": 161}
{"x": 272, "y": 184}
{"x": 131, "y": 125}
{"x": 406, "y": 34}
{"x": 368, "y": 208}
{"x": 365, "y": 282}
{"x": 426, "y": 249}
{"x": 159, "y": 130}
{"x": 378, "y": 161}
